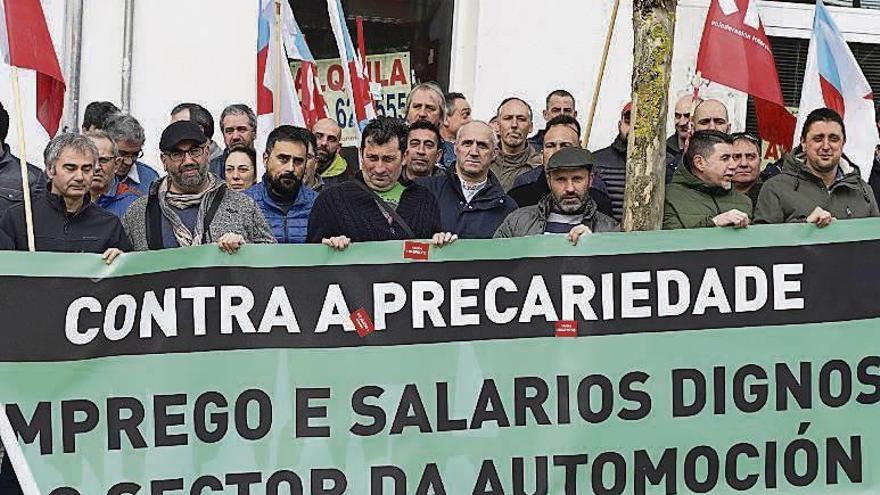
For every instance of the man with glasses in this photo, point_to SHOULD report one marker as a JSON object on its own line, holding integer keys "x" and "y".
{"x": 747, "y": 155}
{"x": 562, "y": 131}
{"x": 103, "y": 190}
{"x": 191, "y": 206}
{"x": 128, "y": 134}
{"x": 285, "y": 202}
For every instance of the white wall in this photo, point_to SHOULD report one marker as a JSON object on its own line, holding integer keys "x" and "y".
{"x": 203, "y": 51}
{"x": 523, "y": 48}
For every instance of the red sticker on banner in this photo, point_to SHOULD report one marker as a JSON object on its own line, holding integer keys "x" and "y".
{"x": 362, "y": 322}
{"x": 566, "y": 328}
{"x": 415, "y": 250}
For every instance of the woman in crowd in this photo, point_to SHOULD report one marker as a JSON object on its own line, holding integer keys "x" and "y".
{"x": 241, "y": 169}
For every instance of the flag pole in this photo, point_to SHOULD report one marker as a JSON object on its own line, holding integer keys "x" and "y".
{"x": 608, "y": 36}
{"x": 22, "y": 153}
{"x": 279, "y": 51}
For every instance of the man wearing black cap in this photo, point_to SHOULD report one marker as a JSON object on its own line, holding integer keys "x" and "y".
{"x": 10, "y": 171}
{"x": 191, "y": 206}
{"x": 568, "y": 209}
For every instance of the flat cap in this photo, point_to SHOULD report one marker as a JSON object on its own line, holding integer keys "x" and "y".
{"x": 570, "y": 157}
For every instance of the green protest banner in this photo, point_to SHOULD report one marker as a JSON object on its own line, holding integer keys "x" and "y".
{"x": 709, "y": 361}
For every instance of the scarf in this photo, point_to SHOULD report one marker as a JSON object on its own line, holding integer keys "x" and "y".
{"x": 169, "y": 201}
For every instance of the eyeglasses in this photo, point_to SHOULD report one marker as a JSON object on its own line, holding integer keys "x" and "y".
{"x": 130, "y": 157}
{"x": 177, "y": 155}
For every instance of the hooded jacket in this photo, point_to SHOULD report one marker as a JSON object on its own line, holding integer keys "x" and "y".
{"x": 532, "y": 220}
{"x": 795, "y": 192}
{"x": 10, "y": 180}
{"x": 691, "y": 203}
{"x": 475, "y": 220}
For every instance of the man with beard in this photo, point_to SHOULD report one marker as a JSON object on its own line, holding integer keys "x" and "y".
{"x": 103, "y": 190}
{"x": 281, "y": 196}
{"x": 201, "y": 116}
{"x": 471, "y": 201}
{"x": 238, "y": 123}
{"x": 332, "y": 167}
{"x": 422, "y": 151}
{"x": 376, "y": 205}
{"x": 701, "y": 193}
{"x": 516, "y": 156}
{"x": 191, "y": 206}
{"x": 817, "y": 185}
{"x": 562, "y": 131}
{"x": 568, "y": 209}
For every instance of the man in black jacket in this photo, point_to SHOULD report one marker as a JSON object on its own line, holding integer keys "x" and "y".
{"x": 64, "y": 218}
{"x": 376, "y": 206}
{"x": 471, "y": 201}
{"x": 10, "y": 171}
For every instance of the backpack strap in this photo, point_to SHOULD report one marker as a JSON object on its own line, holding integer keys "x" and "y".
{"x": 212, "y": 211}
{"x": 154, "y": 221}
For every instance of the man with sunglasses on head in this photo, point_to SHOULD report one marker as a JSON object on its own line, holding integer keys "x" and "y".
{"x": 747, "y": 155}
{"x": 104, "y": 187}
{"x": 191, "y": 206}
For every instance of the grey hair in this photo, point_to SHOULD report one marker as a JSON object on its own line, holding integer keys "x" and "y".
{"x": 124, "y": 127}
{"x": 63, "y": 141}
{"x": 101, "y": 134}
{"x": 433, "y": 88}
{"x": 239, "y": 109}
{"x": 491, "y": 131}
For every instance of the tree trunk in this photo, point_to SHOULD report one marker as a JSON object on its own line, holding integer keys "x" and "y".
{"x": 654, "y": 23}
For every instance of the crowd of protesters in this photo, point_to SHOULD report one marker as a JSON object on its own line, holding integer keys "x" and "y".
{"x": 436, "y": 174}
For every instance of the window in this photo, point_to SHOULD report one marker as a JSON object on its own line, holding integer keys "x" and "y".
{"x": 407, "y": 42}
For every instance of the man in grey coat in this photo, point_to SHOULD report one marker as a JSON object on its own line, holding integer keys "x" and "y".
{"x": 568, "y": 209}
{"x": 191, "y": 206}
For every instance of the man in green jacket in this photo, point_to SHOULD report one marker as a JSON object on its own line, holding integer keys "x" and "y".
{"x": 817, "y": 185}
{"x": 700, "y": 194}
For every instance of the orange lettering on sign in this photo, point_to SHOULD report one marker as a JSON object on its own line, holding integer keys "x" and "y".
{"x": 335, "y": 77}
{"x": 398, "y": 75}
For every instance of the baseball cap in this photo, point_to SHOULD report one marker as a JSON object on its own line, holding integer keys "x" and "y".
{"x": 180, "y": 131}
{"x": 570, "y": 158}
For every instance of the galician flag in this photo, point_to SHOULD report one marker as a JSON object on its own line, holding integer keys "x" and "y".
{"x": 25, "y": 43}
{"x": 833, "y": 79}
{"x": 356, "y": 80}
{"x": 291, "y": 112}
{"x": 314, "y": 106}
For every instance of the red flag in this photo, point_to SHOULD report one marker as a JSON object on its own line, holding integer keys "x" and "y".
{"x": 30, "y": 47}
{"x": 735, "y": 52}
